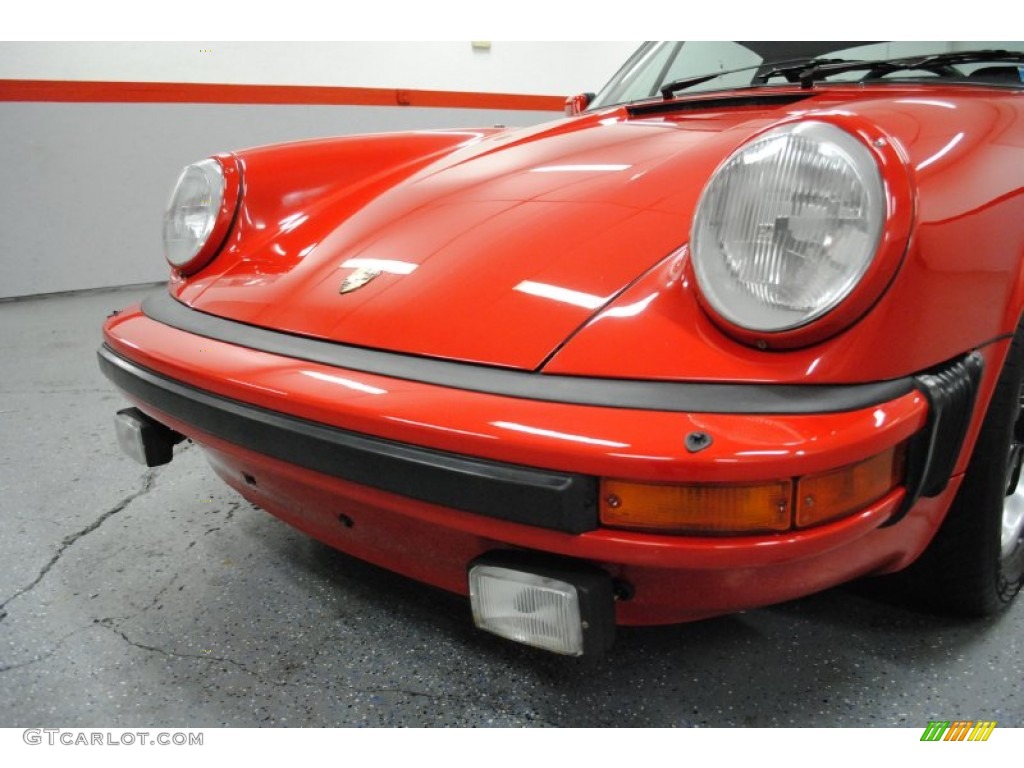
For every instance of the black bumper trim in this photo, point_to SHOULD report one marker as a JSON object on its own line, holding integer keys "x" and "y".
{"x": 669, "y": 396}
{"x": 557, "y": 501}
{"x": 951, "y": 391}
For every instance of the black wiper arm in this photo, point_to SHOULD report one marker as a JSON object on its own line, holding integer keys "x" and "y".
{"x": 688, "y": 82}
{"x": 807, "y": 71}
{"x": 940, "y": 63}
{"x": 788, "y": 68}
{"x": 792, "y": 69}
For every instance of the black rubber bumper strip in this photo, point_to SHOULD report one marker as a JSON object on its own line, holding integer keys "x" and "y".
{"x": 557, "y": 501}
{"x": 951, "y": 391}
{"x": 680, "y": 397}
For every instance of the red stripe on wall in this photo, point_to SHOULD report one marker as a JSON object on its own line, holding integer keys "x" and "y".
{"x": 210, "y": 93}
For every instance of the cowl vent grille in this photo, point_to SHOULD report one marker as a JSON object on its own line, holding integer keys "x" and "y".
{"x": 723, "y": 102}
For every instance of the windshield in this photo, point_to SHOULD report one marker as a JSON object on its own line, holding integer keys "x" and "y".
{"x": 714, "y": 66}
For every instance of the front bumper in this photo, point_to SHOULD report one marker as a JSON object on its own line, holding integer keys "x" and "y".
{"x": 422, "y": 476}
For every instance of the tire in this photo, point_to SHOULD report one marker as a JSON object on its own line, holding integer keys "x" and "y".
{"x": 972, "y": 567}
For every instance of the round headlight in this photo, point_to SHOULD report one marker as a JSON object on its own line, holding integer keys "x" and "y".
{"x": 197, "y": 215}
{"x": 787, "y": 227}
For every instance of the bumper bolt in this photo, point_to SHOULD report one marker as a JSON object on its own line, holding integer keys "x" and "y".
{"x": 697, "y": 441}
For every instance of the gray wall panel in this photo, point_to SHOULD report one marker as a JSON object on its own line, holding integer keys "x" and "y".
{"x": 84, "y": 185}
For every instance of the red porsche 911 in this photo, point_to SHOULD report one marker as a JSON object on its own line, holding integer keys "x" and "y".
{"x": 741, "y": 327}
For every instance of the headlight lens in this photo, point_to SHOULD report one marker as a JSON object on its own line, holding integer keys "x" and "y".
{"x": 193, "y": 212}
{"x": 787, "y": 227}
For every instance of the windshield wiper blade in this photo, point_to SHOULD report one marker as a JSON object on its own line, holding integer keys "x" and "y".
{"x": 808, "y": 70}
{"x": 688, "y": 82}
{"x": 940, "y": 63}
{"x": 792, "y": 69}
{"x": 788, "y": 68}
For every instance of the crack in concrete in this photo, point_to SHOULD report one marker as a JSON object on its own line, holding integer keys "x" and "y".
{"x": 109, "y": 624}
{"x": 48, "y": 654}
{"x": 149, "y": 480}
{"x": 152, "y": 603}
{"x": 407, "y": 692}
{"x": 232, "y": 508}
{"x": 160, "y": 592}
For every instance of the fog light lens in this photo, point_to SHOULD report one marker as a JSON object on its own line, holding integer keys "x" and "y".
{"x": 148, "y": 442}
{"x": 531, "y": 609}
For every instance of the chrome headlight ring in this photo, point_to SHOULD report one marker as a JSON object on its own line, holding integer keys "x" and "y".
{"x": 200, "y": 212}
{"x": 799, "y": 231}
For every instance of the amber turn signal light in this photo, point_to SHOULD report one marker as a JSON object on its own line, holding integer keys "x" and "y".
{"x": 697, "y": 508}
{"x": 752, "y": 508}
{"x": 831, "y": 495}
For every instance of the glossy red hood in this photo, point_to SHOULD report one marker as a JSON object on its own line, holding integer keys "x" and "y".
{"x": 500, "y": 247}
{"x": 494, "y": 248}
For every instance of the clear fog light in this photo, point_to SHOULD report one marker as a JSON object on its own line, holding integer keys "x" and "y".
{"x": 148, "y": 442}
{"x": 567, "y": 609}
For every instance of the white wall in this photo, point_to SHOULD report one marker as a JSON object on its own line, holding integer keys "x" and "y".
{"x": 561, "y": 68}
{"x": 84, "y": 184}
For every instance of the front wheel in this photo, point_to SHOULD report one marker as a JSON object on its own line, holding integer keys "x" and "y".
{"x": 975, "y": 564}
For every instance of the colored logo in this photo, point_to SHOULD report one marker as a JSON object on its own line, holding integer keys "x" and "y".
{"x": 358, "y": 279}
{"x": 958, "y": 730}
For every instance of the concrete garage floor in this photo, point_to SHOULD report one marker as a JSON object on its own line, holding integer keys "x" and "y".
{"x": 160, "y": 598}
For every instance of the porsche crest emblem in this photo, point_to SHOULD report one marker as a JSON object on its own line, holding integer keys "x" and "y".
{"x": 358, "y": 279}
